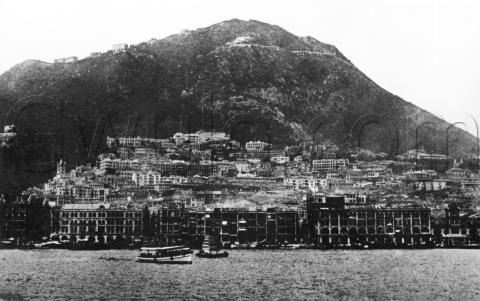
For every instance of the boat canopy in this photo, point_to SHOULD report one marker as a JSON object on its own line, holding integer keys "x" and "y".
{"x": 162, "y": 248}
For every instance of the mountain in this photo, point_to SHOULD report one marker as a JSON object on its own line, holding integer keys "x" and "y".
{"x": 251, "y": 79}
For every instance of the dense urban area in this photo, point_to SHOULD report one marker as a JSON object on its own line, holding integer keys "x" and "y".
{"x": 147, "y": 191}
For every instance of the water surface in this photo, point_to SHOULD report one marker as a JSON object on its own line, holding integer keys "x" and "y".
{"x": 246, "y": 275}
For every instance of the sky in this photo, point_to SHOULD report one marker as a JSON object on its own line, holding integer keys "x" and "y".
{"x": 425, "y": 51}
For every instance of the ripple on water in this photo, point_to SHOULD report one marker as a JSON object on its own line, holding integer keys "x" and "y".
{"x": 245, "y": 275}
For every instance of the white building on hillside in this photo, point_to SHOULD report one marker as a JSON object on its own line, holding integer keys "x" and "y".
{"x": 256, "y": 146}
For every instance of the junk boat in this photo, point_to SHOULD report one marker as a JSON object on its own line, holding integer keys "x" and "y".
{"x": 210, "y": 249}
{"x": 168, "y": 255}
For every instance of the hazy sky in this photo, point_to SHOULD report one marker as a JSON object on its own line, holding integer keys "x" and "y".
{"x": 425, "y": 51}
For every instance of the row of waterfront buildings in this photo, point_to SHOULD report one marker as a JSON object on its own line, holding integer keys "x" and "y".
{"x": 323, "y": 221}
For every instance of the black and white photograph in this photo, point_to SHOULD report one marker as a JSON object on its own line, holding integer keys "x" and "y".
{"x": 239, "y": 150}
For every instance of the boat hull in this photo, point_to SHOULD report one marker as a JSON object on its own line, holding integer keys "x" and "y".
{"x": 7, "y": 245}
{"x": 49, "y": 246}
{"x": 212, "y": 255}
{"x": 179, "y": 259}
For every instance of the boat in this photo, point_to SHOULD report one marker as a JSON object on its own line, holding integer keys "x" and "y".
{"x": 211, "y": 248}
{"x": 49, "y": 245}
{"x": 204, "y": 254}
{"x": 257, "y": 245}
{"x": 288, "y": 246}
{"x": 7, "y": 244}
{"x": 166, "y": 255}
{"x": 86, "y": 246}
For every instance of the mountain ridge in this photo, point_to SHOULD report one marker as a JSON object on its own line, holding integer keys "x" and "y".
{"x": 288, "y": 89}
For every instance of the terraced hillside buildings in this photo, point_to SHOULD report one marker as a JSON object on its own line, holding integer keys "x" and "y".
{"x": 178, "y": 189}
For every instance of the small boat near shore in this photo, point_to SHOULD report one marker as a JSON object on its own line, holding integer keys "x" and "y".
{"x": 49, "y": 245}
{"x": 211, "y": 248}
{"x": 203, "y": 254}
{"x": 290, "y": 246}
{"x": 165, "y": 255}
{"x": 7, "y": 244}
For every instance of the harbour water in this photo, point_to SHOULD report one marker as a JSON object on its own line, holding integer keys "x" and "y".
{"x": 432, "y": 274}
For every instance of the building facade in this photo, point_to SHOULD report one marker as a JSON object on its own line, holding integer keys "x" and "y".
{"x": 27, "y": 219}
{"x": 101, "y": 223}
{"x": 242, "y": 227}
{"x": 456, "y": 228}
{"x": 251, "y": 146}
{"x": 338, "y": 224}
{"x": 165, "y": 225}
{"x": 329, "y": 164}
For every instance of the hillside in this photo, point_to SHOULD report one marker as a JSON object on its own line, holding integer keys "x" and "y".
{"x": 251, "y": 79}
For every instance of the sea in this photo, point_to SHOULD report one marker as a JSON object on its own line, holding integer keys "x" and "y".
{"x": 432, "y": 274}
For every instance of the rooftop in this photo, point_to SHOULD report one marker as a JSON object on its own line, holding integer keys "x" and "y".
{"x": 85, "y": 206}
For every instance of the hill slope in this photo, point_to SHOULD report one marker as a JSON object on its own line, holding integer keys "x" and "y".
{"x": 249, "y": 78}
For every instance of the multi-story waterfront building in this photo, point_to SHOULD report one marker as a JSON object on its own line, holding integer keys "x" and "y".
{"x": 102, "y": 223}
{"x": 237, "y": 226}
{"x": 456, "y": 228}
{"x": 335, "y": 223}
{"x": 55, "y": 219}
{"x": 165, "y": 225}
{"x": 16, "y": 220}
{"x": 27, "y": 219}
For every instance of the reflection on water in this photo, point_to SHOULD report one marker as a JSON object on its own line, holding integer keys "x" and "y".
{"x": 303, "y": 274}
